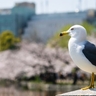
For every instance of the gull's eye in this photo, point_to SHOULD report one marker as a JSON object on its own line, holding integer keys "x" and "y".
{"x": 72, "y": 28}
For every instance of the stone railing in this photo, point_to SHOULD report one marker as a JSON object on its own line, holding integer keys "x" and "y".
{"x": 80, "y": 92}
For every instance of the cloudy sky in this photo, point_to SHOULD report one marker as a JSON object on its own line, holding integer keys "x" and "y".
{"x": 53, "y": 6}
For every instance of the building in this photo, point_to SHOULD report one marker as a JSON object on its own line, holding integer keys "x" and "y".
{"x": 12, "y": 23}
{"x": 26, "y": 4}
{"x": 91, "y": 18}
{"x": 5, "y": 11}
{"x": 26, "y": 10}
{"x": 42, "y": 27}
{"x": 16, "y": 19}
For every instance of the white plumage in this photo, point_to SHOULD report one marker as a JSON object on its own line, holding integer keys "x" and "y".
{"x": 82, "y": 52}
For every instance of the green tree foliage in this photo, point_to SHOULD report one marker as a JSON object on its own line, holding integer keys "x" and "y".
{"x": 58, "y": 41}
{"x": 7, "y": 40}
{"x": 89, "y": 27}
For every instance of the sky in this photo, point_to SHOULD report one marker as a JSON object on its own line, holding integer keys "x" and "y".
{"x": 53, "y": 6}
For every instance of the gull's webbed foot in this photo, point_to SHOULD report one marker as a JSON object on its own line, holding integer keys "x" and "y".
{"x": 88, "y": 87}
{"x": 91, "y": 83}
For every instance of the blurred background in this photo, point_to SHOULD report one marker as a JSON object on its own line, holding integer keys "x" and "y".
{"x": 34, "y": 60}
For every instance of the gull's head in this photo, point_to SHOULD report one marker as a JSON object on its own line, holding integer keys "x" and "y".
{"x": 76, "y": 31}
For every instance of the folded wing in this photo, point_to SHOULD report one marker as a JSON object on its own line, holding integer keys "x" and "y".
{"x": 90, "y": 52}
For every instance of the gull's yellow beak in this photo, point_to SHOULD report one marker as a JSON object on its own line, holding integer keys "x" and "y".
{"x": 64, "y": 33}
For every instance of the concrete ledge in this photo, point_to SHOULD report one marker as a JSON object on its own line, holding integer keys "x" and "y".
{"x": 80, "y": 92}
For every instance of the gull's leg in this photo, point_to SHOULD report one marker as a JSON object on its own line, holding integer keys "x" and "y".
{"x": 91, "y": 83}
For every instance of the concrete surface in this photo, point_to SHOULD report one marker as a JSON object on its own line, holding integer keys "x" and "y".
{"x": 80, "y": 92}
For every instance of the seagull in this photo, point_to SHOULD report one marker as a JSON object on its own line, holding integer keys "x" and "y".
{"x": 82, "y": 52}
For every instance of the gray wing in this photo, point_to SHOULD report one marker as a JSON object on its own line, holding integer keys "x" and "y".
{"x": 90, "y": 52}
